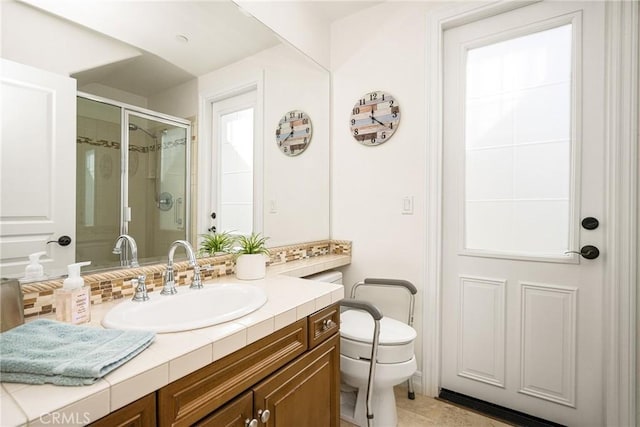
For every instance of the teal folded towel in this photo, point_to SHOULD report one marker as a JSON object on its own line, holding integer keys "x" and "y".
{"x": 45, "y": 351}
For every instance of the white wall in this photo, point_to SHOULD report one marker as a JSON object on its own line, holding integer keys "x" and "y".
{"x": 34, "y": 38}
{"x": 179, "y": 101}
{"x": 368, "y": 183}
{"x": 295, "y": 22}
{"x": 299, "y": 185}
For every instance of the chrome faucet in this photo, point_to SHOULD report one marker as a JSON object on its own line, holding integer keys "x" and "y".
{"x": 123, "y": 256}
{"x": 168, "y": 282}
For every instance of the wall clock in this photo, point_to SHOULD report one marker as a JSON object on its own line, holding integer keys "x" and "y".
{"x": 374, "y": 118}
{"x": 293, "y": 133}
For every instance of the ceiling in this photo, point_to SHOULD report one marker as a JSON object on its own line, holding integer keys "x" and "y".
{"x": 332, "y": 10}
{"x": 175, "y": 40}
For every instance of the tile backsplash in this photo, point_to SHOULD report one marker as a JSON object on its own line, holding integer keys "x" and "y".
{"x": 115, "y": 284}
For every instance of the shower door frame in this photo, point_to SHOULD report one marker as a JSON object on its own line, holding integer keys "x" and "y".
{"x": 127, "y": 110}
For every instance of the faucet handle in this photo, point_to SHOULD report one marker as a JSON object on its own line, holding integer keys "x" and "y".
{"x": 169, "y": 284}
{"x": 196, "y": 283}
{"x": 141, "y": 289}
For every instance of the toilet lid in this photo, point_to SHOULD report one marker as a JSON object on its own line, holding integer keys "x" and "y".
{"x": 358, "y": 325}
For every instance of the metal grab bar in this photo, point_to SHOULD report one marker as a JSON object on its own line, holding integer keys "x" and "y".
{"x": 410, "y": 287}
{"x": 377, "y": 315}
{"x": 394, "y": 283}
{"x": 362, "y": 305}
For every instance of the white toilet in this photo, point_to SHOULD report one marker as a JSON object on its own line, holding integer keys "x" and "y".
{"x": 395, "y": 356}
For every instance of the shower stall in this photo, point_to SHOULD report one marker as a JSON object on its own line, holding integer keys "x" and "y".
{"x": 132, "y": 173}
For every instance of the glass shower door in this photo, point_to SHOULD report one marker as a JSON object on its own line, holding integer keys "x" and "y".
{"x": 98, "y": 194}
{"x": 156, "y": 208}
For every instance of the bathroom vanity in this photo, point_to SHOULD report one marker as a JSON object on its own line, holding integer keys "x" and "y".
{"x": 283, "y": 357}
{"x": 291, "y": 377}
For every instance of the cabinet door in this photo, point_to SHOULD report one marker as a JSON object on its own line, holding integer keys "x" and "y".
{"x": 195, "y": 396}
{"x": 305, "y": 392}
{"x": 236, "y": 413}
{"x": 141, "y": 413}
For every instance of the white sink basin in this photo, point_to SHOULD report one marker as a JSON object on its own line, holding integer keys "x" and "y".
{"x": 188, "y": 309}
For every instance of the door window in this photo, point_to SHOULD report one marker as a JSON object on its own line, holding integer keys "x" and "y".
{"x": 519, "y": 145}
{"x": 236, "y": 212}
{"x": 234, "y": 132}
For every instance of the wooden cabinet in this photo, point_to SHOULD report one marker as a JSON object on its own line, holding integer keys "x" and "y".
{"x": 141, "y": 413}
{"x": 305, "y": 392}
{"x": 293, "y": 373}
{"x": 193, "y": 397}
{"x": 237, "y": 413}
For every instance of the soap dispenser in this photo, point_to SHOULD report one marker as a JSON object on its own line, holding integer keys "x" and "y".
{"x": 73, "y": 301}
{"x": 34, "y": 270}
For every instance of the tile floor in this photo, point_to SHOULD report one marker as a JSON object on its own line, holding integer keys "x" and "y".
{"x": 428, "y": 412}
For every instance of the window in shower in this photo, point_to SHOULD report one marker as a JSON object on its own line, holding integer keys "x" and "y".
{"x": 147, "y": 199}
{"x": 89, "y": 187}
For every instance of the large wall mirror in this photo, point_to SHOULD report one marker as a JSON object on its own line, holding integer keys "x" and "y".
{"x": 165, "y": 74}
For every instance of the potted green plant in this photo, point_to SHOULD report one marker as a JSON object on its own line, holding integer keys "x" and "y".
{"x": 251, "y": 257}
{"x": 216, "y": 243}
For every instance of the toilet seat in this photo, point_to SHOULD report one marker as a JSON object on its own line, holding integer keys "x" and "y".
{"x": 356, "y": 372}
{"x": 356, "y": 337}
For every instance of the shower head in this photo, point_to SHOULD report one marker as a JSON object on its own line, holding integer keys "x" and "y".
{"x": 133, "y": 127}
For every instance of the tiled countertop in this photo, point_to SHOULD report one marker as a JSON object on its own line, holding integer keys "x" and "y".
{"x": 172, "y": 356}
{"x": 308, "y": 266}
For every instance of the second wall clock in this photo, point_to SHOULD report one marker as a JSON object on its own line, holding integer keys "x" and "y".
{"x": 374, "y": 118}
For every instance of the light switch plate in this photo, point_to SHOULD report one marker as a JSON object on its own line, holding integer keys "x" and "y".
{"x": 273, "y": 206}
{"x": 407, "y": 205}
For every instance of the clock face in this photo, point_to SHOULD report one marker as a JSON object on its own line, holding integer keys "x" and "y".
{"x": 293, "y": 133}
{"x": 374, "y": 118}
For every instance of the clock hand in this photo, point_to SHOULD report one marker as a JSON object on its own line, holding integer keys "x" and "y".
{"x": 288, "y": 136}
{"x": 373, "y": 118}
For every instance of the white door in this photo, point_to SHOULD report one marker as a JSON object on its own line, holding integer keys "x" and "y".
{"x": 236, "y": 159}
{"x": 523, "y": 166}
{"x": 38, "y": 175}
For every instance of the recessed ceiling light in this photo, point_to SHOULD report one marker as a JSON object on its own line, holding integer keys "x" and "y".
{"x": 182, "y": 38}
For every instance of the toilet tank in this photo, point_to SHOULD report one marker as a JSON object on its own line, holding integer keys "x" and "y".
{"x": 330, "y": 276}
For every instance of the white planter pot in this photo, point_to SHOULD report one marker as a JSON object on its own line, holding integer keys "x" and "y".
{"x": 251, "y": 266}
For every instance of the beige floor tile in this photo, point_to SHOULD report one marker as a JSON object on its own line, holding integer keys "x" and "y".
{"x": 428, "y": 412}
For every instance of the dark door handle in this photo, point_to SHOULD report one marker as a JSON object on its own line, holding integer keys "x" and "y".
{"x": 62, "y": 241}
{"x": 588, "y": 252}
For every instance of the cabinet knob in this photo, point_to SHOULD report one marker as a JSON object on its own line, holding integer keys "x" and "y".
{"x": 327, "y": 324}
{"x": 264, "y": 415}
{"x": 250, "y": 423}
